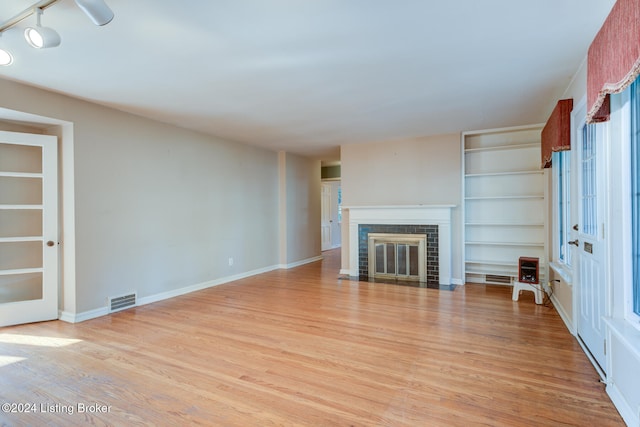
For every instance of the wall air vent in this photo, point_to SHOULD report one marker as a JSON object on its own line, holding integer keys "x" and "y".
{"x": 494, "y": 278}
{"x": 122, "y": 302}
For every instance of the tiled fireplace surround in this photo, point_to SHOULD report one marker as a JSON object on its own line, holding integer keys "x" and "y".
{"x": 431, "y": 231}
{"x": 432, "y": 220}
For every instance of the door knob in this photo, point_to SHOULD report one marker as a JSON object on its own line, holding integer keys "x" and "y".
{"x": 50, "y": 243}
{"x": 574, "y": 242}
{"x": 575, "y": 227}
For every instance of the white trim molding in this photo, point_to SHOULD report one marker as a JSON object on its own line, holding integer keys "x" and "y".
{"x": 301, "y": 262}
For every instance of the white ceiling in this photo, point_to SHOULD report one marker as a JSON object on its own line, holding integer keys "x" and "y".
{"x": 309, "y": 75}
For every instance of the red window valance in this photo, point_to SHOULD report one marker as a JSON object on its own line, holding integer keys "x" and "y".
{"x": 613, "y": 62}
{"x": 556, "y": 134}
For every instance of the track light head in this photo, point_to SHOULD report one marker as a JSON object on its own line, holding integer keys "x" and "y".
{"x": 41, "y": 37}
{"x": 5, "y": 58}
{"x": 96, "y": 10}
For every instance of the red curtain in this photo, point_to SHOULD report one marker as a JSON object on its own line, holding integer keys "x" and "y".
{"x": 556, "y": 134}
{"x": 613, "y": 62}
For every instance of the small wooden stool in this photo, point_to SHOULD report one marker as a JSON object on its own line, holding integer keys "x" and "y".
{"x": 536, "y": 288}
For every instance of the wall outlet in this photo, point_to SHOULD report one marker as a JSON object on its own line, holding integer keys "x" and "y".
{"x": 230, "y": 262}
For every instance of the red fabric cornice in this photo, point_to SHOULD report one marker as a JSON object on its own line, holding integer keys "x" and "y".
{"x": 556, "y": 134}
{"x": 613, "y": 62}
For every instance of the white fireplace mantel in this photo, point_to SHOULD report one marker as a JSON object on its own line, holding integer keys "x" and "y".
{"x": 439, "y": 215}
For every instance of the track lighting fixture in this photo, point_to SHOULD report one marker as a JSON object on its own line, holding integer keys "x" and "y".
{"x": 96, "y": 10}
{"x": 5, "y": 56}
{"x": 41, "y": 37}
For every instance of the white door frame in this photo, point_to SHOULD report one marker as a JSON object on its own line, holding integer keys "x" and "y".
{"x": 330, "y": 224}
{"x": 336, "y": 237}
{"x": 325, "y": 217}
{"x": 64, "y": 131}
{"x": 597, "y": 354}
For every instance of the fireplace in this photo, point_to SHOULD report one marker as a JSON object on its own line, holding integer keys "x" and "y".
{"x": 414, "y": 247}
{"x": 401, "y": 225}
{"x": 397, "y": 257}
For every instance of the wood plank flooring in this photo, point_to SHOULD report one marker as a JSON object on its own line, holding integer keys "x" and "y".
{"x": 304, "y": 347}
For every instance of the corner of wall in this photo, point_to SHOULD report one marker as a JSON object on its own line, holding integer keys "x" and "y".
{"x": 282, "y": 207}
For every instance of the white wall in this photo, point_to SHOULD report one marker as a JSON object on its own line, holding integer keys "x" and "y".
{"x": 416, "y": 171}
{"x": 300, "y": 184}
{"x": 158, "y": 208}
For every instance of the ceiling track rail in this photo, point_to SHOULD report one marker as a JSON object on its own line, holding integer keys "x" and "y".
{"x": 42, "y": 4}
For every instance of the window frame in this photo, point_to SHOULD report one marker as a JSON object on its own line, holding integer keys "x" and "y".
{"x": 562, "y": 210}
{"x": 631, "y": 292}
{"x": 623, "y": 250}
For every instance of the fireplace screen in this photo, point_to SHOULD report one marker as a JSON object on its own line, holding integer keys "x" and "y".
{"x": 397, "y": 256}
{"x": 397, "y": 259}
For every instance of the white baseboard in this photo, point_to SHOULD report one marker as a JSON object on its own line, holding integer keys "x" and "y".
{"x": 627, "y": 413}
{"x": 200, "y": 286}
{"x": 103, "y": 311}
{"x": 301, "y": 262}
{"x": 458, "y": 282}
{"x": 65, "y": 316}
{"x": 563, "y": 315}
{"x": 81, "y": 317}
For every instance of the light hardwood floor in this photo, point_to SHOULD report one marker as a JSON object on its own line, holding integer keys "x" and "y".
{"x": 303, "y": 347}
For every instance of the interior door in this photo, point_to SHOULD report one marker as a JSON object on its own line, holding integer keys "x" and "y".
{"x": 28, "y": 228}
{"x": 326, "y": 220}
{"x": 336, "y": 201}
{"x": 589, "y": 244}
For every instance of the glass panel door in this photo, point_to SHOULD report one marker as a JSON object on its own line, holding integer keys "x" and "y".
{"x": 28, "y": 228}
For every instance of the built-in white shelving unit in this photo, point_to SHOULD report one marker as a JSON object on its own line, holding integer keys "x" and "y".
{"x": 504, "y": 203}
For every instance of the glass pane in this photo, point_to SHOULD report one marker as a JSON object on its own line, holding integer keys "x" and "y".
{"x": 566, "y": 156}
{"x": 557, "y": 161}
{"x": 391, "y": 258}
{"x": 20, "y": 223}
{"x": 563, "y": 163}
{"x": 20, "y": 158}
{"x": 20, "y": 191}
{"x": 635, "y": 193}
{"x": 402, "y": 259}
{"x": 20, "y": 255}
{"x": 20, "y": 287}
{"x": 414, "y": 260}
{"x": 589, "y": 206}
{"x": 380, "y": 258}
{"x": 339, "y": 204}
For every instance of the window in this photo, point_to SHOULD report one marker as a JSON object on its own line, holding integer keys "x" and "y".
{"x": 562, "y": 166}
{"x": 635, "y": 194}
{"x": 339, "y": 204}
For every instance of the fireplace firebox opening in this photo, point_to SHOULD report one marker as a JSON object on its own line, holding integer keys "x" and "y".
{"x": 397, "y": 256}
{"x": 396, "y": 247}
